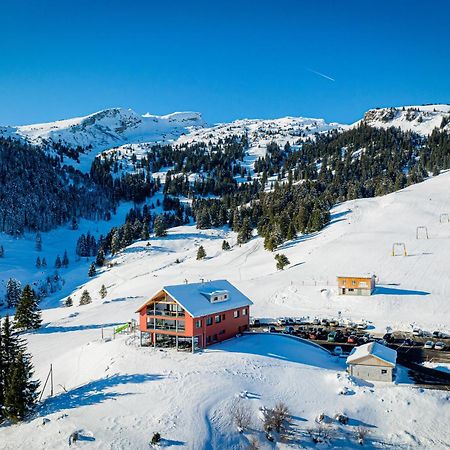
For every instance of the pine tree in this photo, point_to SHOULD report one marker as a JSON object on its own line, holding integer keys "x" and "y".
{"x": 201, "y": 254}
{"x": 65, "y": 260}
{"x": 58, "y": 262}
{"x": 44, "y": 262}
{"x": 38, "y": 242}
{"x": 115, "y": 242}
{"x": 74, "y": 224}
{"x": 69, "y": 301}
{"x": 2, "y": 251}
{"x": 28, "y": 314}
{"x": 160, "y": 226}
{"x": 145, "y": 233}
{"x": 245, "y": 232}
{"x": 282, "y": 261}
{"x": 225, "y": 245}
{"x": 85, "y": 298}
{"x": 100, "y": 259}
{"x": 38, "y": 263}
{"x": 92, "y": 270}
{"x": 103, "y": 292}
{"x": 20, "y": 390}
{"x": 13, "y": 292}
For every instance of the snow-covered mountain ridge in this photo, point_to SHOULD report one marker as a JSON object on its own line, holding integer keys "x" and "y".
{"x": 419, "y": 119}
{"x": 107, "y": 128}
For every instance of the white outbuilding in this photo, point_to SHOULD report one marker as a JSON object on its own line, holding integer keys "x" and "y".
{"x": 372, "y": 361}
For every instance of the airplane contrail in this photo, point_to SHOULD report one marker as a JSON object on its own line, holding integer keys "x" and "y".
{"x": 321, "y": 74}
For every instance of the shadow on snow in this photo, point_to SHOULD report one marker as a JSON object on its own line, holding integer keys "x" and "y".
{"x": 381, "y": 290}
{"x": 93, "y": 393}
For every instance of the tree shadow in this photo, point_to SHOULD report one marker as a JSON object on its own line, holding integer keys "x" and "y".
{"x": 382, "y": 290}
{"x": 171, "y": 443}
{"x": 51, "y": 329}
{"x": 93, "y": 393}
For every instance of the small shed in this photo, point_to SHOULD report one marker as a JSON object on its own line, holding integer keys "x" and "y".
{"x": 372, "y": 361}
{"x": 356, "y": 284}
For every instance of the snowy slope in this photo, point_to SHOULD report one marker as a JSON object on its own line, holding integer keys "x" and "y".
{"x": 119, "y": 394}
{"x": 419, "y": 119}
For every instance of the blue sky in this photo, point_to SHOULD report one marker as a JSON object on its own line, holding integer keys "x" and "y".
{"x": 228, "y": 60}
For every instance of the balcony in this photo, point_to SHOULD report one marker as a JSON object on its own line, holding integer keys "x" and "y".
{"x": 166, "y": 325}
{"x": 165, "y": 312}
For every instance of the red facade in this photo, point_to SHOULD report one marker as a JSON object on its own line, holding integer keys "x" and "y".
{"x": 157, "y": 320}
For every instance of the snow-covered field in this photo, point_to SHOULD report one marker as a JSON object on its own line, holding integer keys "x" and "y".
{"x": 119, "y": 393}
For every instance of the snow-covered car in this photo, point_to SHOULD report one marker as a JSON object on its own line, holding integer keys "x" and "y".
{"x": 316, "y": 321}
{"x": 255, "y": 322}
{"x": 417, "y": 332}
{"x": 428, "y": 344}
{"x": 281, "y": 321}
{"x": 290, "y": 321}
{"x": 361, "y": 325}
{"x": 333, "y": 323}
{"x": 289, "y": 330}
{"x": 439, "y": 346}
{"x": 270, "y": 329}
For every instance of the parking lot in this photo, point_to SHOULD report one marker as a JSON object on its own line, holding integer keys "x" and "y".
{"x": 332, "y": 333}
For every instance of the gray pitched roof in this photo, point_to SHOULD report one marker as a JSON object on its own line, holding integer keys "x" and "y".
{"x": 194, "y": 297}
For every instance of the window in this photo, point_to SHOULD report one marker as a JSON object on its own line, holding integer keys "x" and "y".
{"x": 383, "y": 371}
{"x": 222, "y": 332}
{"x": 208, "y": 339}
{"x": 244, "y": 312}
{"x": 225, "y": 296}
{"x": 217, "y": 319}
{"x": 223, "y": 316}
{"x": 216, "y": 298}
{"x": 363, "y": 284}
{"x": 343, "y": 282}
{"x": 236, "y": 314}
{"x": 198, "y": 324}
{"x": 351, "y": 290}
{"x": 353, "y": 283}
{"x": 209, "y": 321}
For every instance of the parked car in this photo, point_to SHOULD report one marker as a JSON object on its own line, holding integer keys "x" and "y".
{"x": 289, "y": 330}
{"x": 389, "y": 337}
{"x": 312, "y": 336}
{"x": 281, "y": 321}
{"x": 270, "y": 329}
{"x": 255, "y": 322}
{"x": 428, "y": 344}
{"x": 417, "y": 332}
{"x": 439, "y": 346}
{"x": 290, "y": 321}
{"x": 316, "y": 321}
{"x": 324, "y": 322}
{"x": 361, "y": 325}
{"x": 437, "y": 334}
{"x": 352, "y": 339}
{"x": 427, "y": 334}
{"x": 409, "y": 342}
{"x": 333, "y": 323}
{"x": 331, "y": 336}
{"x": 338, "y": 350}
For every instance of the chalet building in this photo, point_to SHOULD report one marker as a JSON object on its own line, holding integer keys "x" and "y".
{"x": 372, "y": 361}
{"x": 194, "y": 315}
{"x": 356, "y": 285}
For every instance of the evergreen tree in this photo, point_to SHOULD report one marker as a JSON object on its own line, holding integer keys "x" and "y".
{"x": 28, "y": 314}
{"x": 38, "y": 262}
{"x": 201, "y": 254}
{"x": 65, "y": 260}
{"x": 103, "y": 292}
{"x": 13, "y": 292}
{"x": 116, "y": 242}
{"x": 74, "y": 224}
{"x": 282, "y": 261}
{"x": 92, "y": 270}
{"x": 160, "y": 226}
{"x": 2, "y": 251}
{"x": 38, "y": 242}
{"x": 58, "y": 262}
{"x": 44, "y": 262}
{"x": 69, "y": 301}
{"x": 85, "y": 298}
{"x": 245, "y": 232}
{"x": 100, "y": 259}
{"x": 225, "y": 245}
{"x": 145, "y": 233}
{"x": 20, "y": 390}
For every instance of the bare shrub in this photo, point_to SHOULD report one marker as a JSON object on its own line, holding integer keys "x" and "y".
{"x": 321, "y": 433}
{"x": 277, "y": 419}
{"x": 361, "y": 434}
{"x": 253, "y": 444}
{"x": 241, "y": 415}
